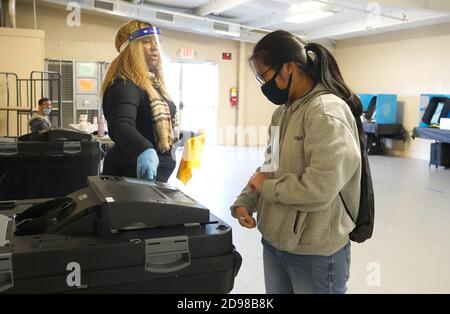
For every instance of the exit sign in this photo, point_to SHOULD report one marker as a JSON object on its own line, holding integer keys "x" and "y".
{"x": 186, "y": 53}
{"x": 226, "y": 55}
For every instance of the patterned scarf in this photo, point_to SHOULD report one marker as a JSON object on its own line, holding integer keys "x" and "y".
{"x": 165, "y": 128}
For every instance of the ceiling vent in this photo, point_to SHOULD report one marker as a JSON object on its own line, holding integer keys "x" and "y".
{"x": 226, "y": 29}
{"x": 104, "y": 5}
{"x": 164, "y": 17}
{"x": 221, "y": 27}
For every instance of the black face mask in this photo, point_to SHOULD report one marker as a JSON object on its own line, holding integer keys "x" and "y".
{"x": 273, "y": 93}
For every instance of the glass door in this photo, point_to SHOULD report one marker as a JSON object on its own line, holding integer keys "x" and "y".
{"x": 193, "y": 87}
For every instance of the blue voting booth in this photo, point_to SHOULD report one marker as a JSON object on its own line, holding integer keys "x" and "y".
{"x": 434, "y": 107}
{"x": 380, "y": 108}
{"x": 425, "y": 101}
{"x": 365, "y": 99}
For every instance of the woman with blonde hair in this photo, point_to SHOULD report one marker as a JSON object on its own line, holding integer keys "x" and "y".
{"x": 142, "y": 119}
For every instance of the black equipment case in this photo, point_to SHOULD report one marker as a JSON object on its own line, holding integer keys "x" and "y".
{"x": 118, "y": 235}
{"x": 440, "y": 155}
{"x": 51, "y": 164}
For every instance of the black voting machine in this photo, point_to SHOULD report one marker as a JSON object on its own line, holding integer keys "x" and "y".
{"x": 50, "y": 164}
{"x": 123, "y": 235}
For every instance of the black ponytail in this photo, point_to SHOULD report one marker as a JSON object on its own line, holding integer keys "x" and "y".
{"x": 280, "y": 47}
{"x": 322, "y": 66}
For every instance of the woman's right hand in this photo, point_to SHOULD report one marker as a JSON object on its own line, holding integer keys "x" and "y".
{"x": 244, "y": 218}
{"x": 147, "y": 165}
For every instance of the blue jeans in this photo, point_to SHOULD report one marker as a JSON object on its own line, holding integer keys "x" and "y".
{"x": 287, "y": 273}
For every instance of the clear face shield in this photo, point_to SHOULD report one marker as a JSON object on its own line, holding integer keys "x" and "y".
{"x": 152, "y": 43}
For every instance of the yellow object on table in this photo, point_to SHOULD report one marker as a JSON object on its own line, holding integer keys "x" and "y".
{"x": 192, "y": 156}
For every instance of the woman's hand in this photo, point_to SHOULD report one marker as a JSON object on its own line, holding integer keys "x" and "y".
{"x": 147, "y": 165}
{"x": 257, "y": 180}
{"x": 244, "y": 218}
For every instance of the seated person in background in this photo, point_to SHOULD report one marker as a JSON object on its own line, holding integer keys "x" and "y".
{"x": 40, "y": 121}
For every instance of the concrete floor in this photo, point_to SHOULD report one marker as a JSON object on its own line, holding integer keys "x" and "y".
{"x": 410, "y": 248}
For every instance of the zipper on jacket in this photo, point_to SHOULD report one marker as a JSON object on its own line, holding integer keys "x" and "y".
{"x": 283, "y": 125}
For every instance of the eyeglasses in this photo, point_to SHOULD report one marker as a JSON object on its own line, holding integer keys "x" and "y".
{"x": 260, "y": 77}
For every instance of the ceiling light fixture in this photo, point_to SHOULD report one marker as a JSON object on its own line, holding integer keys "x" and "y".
{"x": 309, "y": 16}
{"x": 307, "y": 6}
{"x": 307, "y": 11}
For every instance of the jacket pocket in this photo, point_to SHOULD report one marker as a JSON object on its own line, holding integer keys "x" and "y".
{"x": 299, "y": 225}
{"x": 297, "y": 228}
{"x": 317, "y": 228}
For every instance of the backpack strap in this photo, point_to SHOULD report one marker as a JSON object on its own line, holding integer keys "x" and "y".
{"x": 346, "y": 208}
{"x": 362, "y": 149}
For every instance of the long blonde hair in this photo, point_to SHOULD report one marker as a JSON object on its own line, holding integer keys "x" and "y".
{"x": 130, "y": 63}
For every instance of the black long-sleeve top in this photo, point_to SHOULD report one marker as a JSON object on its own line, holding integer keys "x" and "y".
{"x": 128, "y": 114}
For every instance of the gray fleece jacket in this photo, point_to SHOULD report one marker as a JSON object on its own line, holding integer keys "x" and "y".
{"x": 299, "y": 209}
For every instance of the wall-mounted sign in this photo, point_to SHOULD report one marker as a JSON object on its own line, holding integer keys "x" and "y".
{"x": 86, "y": 69}
{"x": 186, "y": 53}
{"x": 86, "y": 86}
{"x": 226, "y": 55}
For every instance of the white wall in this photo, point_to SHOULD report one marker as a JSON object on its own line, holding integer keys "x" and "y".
{"x": 22, "y": 51}
{"x": 94, "y": 41}
{"x": 407, "y": 63}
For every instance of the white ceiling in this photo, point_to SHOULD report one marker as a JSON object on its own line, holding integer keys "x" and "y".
{"x": 184, "y": 4}
{"x": 351, "y": 18}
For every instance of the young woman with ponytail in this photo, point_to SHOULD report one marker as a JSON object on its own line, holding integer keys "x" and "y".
{"x": 300, "y": 214}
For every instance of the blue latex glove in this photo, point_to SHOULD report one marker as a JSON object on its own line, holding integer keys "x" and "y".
{"x": 147, "y": 165}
